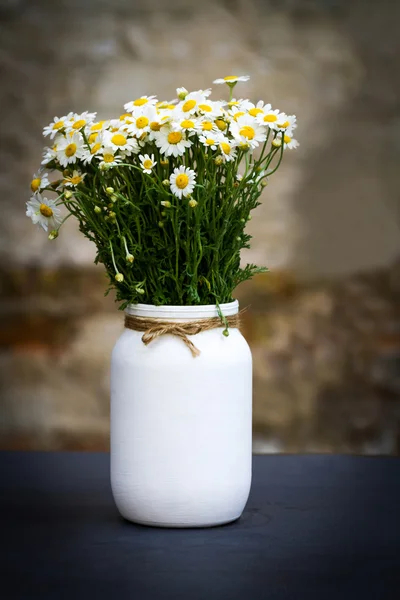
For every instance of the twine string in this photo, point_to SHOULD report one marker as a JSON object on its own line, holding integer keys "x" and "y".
{"x": 153, "y": 328}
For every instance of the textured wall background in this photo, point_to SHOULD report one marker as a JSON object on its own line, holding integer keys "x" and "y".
{"x": 324, "y": 325}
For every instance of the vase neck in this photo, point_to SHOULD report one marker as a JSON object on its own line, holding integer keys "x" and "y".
{"x": 187, "y": 313}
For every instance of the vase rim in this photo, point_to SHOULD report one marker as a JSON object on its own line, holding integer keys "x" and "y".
{"x": 182, "y": 312}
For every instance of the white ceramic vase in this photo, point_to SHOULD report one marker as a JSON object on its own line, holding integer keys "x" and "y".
{"x": 181, "y": 427}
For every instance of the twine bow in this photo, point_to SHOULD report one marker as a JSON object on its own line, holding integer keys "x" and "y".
{"x": 154, "y": 328}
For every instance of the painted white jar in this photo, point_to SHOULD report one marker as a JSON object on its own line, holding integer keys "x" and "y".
{"x": 181, "y": 426}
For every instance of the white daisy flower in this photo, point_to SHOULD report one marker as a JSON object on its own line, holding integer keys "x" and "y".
{"x": 286, "y": 122}
{"x": 119, "y": 140}
{"x": 232, "y": 79}
{"x": 43, "y": 212}
{"x": 139, "y": 122}
{"x": 269, "y": 117}
{"x": 182, "y": 181}
{"x": 49, "y": 154}
{"x": 247, "y": 131}
{"x": 255, "y": 109}
{"x": 147, "y": 163}
{"x": 209, "y": 141}
{"x": 210, "y": 109}
{"x": 191, "y": 102}
{"x": 99, "y": 126}
{"x": 76, "y": 121}
{"x": 206, "y": 125}
{"x": 40, "y": 180}
{"x": 108, "y": 159}
{"x": 75, "y": 179}
{"x": 96, "y": 148}
{"x": 57, "y": 125}
{"x": 190, "y": 126}
{"x": 227, "y": 148}
{"x": 131, "y": 106}
{"x": 288, "y": 142}
{"x": 69, "y": 149}
{"x": 171, "y": 143}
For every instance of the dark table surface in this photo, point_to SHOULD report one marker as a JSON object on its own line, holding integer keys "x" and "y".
{"x": 314, "y": 527}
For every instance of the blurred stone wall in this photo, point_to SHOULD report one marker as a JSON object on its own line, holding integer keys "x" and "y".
{"x": 324, "y": 325}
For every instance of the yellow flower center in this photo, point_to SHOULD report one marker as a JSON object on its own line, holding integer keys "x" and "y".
{"x": 247, "y": 132}
{"x": 35, "y": 184}
{"x": 46, "y": 211}
{"x": 170, "y": 106}
{"x": 140, "y": 101}
{"x": 97, "y": 126}
{"x": 238, "y": 114}
{"x": 276, "y": 143}
{"x": 154, "y": 126}
{"x": 118, "y": 139}
{"x": 124, "y": 116}
{"x": 108, "y": 158}
{"x": 255, "y": 111}
{"x": 220, "y": 124}
{"x": 75, "y": 180}
{"x": 93, "y": 136}
{"x": 70, "y": 150}
{"x": 182, "y": 181}
{"x": 207, "y": 126}
{"x": 287, "y": 139}
{"x": 58, "y": 125}
{"x": 210, "y": 141}
{"x": 187, "y": 124}
{"x": 226, "y": 149}
{"x": 189, "y": 104}
{"x": 205, "y": 107}
{"x": 270, "y": 118}
{"x": 95, "y": 148}
{"x": 147, "y": 163}
{"x": 79, "y": 124}
{"x": 233, "y": 103}
{"x": 142, "y": 122}
{"x": 284, "y": 125}
{"x": 230, "y": 78}
{"x": 174, "y": 137}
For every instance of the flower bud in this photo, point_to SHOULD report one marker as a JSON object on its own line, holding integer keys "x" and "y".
{"x": 160, "y": 224}
{"x": 192, "y": 203}
{"x": 264, "y": 183}
{"x": 218, "y": 160}
{"x": 97, "y": 209}
{"x": 221, "y": 124}
{"x": 109, "y": 190}
{"x": 140, "y": 290}
{"x": 166, "y": 182}
{"x": 119, "y": 277}
{"x": 53, "y": 234}
{"x": 249, "y": 218}
{"x": 164, "y": 213}
{"x": 130, "y": 258}
{"x": 113, "y": 198}
{"x": 276, "y": 143}
{"x": 67, "y": 194}
{"x": 236, "y": 184}
{"x": 225, "y": 333}
{"x": 166, "y": 203}
{"x": 112, "y": 214}
{"x": 181, "y": 93}
{"x": 243, "y": 220}
{"x": 110, "y": 205}
{"x": 66, "y": 172}
{"x": 164, "y": 162}
{"x": 238, "y": 239}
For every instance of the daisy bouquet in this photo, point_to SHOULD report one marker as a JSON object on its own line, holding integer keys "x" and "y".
{"x": 164, "y": 191}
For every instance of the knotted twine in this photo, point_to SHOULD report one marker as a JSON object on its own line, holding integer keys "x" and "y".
{"x": 154, "y": 328}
